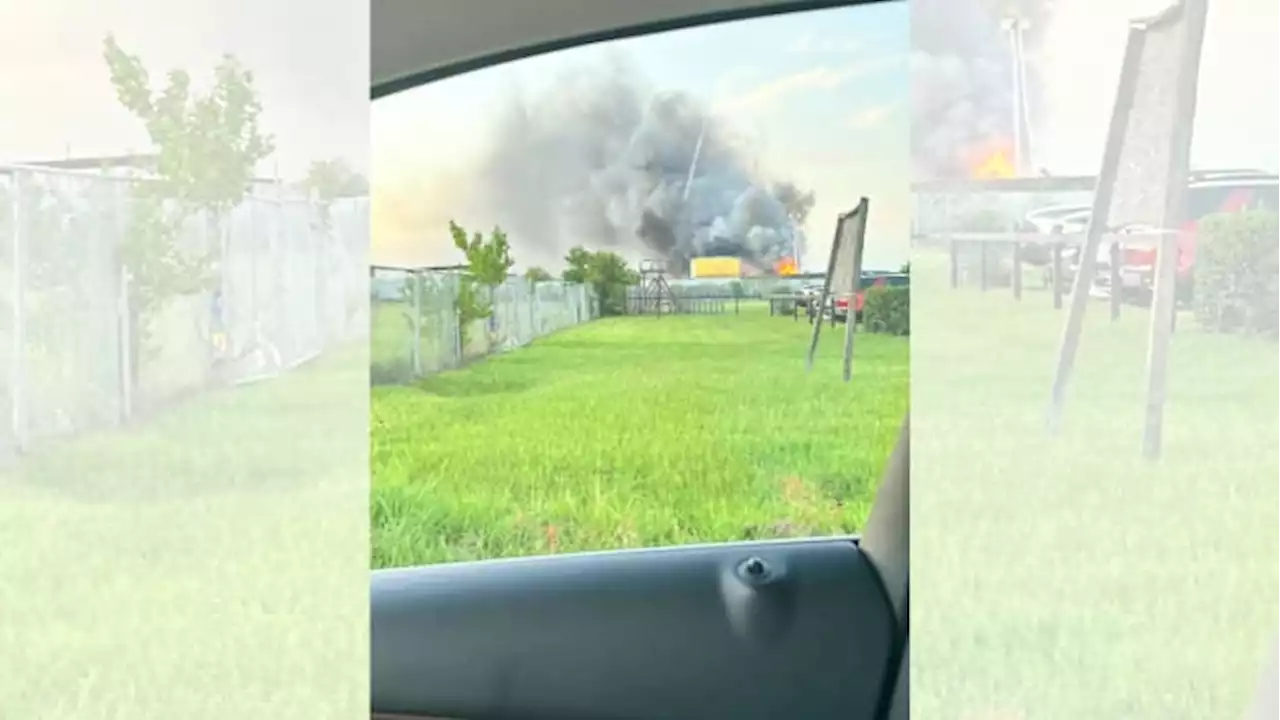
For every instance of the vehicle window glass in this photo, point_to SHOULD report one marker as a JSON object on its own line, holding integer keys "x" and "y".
{"x": 586, "y": 333}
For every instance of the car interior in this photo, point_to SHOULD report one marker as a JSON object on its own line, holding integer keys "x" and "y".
{"x": 811, "y": 628}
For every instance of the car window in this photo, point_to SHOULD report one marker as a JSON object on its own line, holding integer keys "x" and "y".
{"x": 576, "y": 338}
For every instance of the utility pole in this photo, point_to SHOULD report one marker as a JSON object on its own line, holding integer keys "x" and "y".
{"x": 1015, "y": 27}
{"x": 693, "y": 164}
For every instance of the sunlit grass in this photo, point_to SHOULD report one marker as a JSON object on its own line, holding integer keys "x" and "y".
{"x": 633, "y": 432}
{"x": 208, "y": 562}
{"x": 1069, "y": 578}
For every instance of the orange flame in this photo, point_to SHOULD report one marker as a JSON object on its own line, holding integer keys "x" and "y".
{"x": 993, "y": 160}
{"x": 995, "y": 166}
{"x": 786, "y": 267}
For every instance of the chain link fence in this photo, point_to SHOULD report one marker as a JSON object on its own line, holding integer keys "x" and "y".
{"x": 416, "y": 330}
{"x": 76, "y": 354}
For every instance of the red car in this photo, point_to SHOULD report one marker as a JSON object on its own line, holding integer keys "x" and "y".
{"x": 1208, "y": 193}
{"x": 840, "y": 309}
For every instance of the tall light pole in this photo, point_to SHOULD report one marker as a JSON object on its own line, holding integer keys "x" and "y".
{"x": 693, "y": 163}
{"x": 1015, "y": 27}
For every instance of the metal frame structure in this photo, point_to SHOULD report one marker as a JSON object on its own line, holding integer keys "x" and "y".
{"x": 844, "y": 268}
{"x": 1190, "y": 14}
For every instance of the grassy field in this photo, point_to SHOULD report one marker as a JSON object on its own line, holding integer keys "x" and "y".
{"x": 633, "y": 432}
{"x": 1068, "y": 578}
{"x": 208, "y": 563}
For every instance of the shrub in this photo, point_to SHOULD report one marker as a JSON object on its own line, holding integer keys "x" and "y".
{"x": 887, "y": 310}
{"x": 1236, "y": 272}
{"x": 605, "y": 273}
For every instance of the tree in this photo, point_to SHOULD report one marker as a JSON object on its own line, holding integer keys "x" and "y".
{"x": 488, "y": 263}
{"x": 208, "y": 144}
{"x": 329, "y": 180}
{"x": 332, "y": 179}
{"x": 536, "y": 275}
{"x": 207, "y": 148}
{"x": 605, "y": 273}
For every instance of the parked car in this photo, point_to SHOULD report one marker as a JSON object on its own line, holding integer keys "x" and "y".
{"x": 839, "y": 309}
{"x": 808, "y": 295}
{"x": 1208, "y": 193}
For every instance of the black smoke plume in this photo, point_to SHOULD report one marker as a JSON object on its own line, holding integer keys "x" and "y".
{"x": 600, "y": 160}
{"x": 962, "y": 80}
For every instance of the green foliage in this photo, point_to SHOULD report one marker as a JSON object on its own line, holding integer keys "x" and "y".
{"x": 208, "y": 146}
{"x": 488, "y": 263}
{"x": 607, "y": 275}
{"x": 1236, "y": 272}
{"x": 329, "y": 180}
{"x": 537, "y": 275}
{"x": 887, "y": 310}
{"x": 488, "y": 259}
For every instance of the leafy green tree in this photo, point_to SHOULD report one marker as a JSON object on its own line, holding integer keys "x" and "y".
{"x": 489, "y": 262}
{"x": 207, "y": 147}
{"x": 537, "y": 275}
{"x": 607, "y": 275}
{"x": 330, "y": 180}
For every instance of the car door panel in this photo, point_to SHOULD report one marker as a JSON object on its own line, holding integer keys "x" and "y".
{"x": 740, "y": 630}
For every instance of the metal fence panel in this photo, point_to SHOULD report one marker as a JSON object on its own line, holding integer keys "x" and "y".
{"x": 415, "y": 324}
{"x": 70, "y": 358}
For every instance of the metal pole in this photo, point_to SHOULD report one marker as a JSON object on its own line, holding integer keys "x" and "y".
{"x": 126, "y": 347}
{"x": 851, "y": 314}
{"x": 822, "y": 299}
{"x": 17, "y": 375}
{"x": 693, "y": 164}
{"x": 1010, "y": 27}
{"x": 1027, "y": 164}
{"x": 415, "y": 352}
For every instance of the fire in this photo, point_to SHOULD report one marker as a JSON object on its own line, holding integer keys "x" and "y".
{"x": 996, "y": 166}
{"x": 995, "y": 163}
{"x": 786, "y": 267}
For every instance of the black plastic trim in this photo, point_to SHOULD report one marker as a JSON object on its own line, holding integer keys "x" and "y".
{"x": 408, "y": 82}
{"x": 698, "y": 632}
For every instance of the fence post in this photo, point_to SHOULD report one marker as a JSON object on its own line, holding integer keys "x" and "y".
{"x": 534, "y": 330}
{"x": 953, "y": 257}
{"x": 125, "y": 324}
{"x": 17, "y": 371}
{"x": 457, "y": 327}
{"x": 415, "y": 352}
{"x": 1016, "y": 271}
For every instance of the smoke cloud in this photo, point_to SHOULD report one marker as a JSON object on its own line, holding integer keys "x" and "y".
{"x": 600, "y": 159}
{"x": 962, "y": 81}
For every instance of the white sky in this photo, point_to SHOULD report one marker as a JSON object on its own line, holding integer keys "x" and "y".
{"x": 1238, "y": 99}
{"x": 310, "y": 58}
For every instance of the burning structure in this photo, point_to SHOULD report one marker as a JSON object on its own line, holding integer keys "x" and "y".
{"x": 597, "y": 158}
{"x": 973, "y": 104}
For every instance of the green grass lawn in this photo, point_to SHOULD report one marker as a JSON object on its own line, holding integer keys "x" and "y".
{"x": 207, "y": 563}
{"x": 634, "y": 431}
{"x": 1068, "y": 578}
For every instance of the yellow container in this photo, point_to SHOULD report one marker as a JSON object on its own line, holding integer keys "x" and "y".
{"x": 715, "y": 267}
